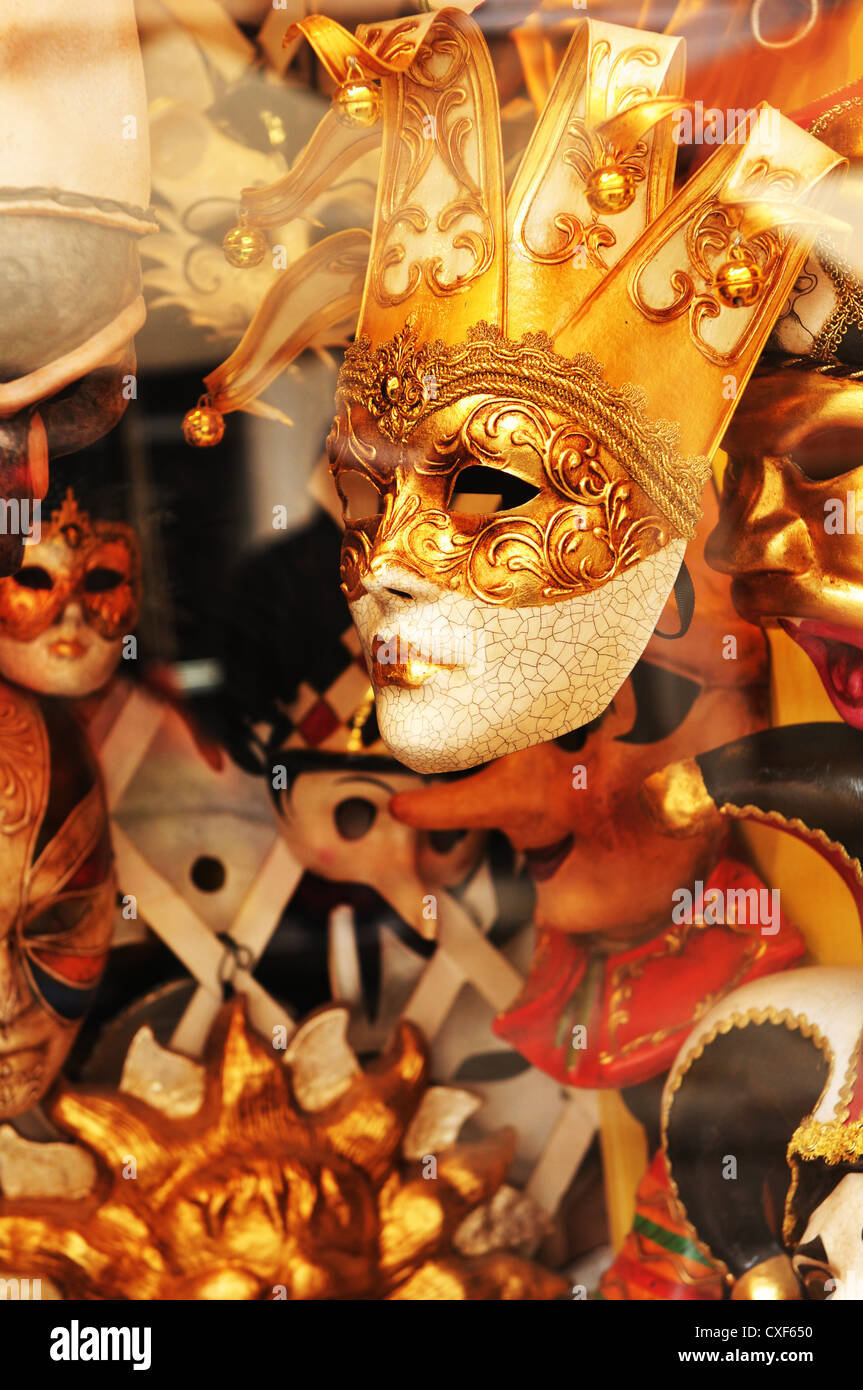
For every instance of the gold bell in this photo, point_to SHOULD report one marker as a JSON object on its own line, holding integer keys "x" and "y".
{"x": 738, "y": 280}
{"x": 244, "y": 246}
{"x": 610, "y": 188}
{"x": 204, "y": 426}
{"x": 357, "y": 102}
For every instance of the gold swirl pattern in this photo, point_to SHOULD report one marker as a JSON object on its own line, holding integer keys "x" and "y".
{"x": 401, "y": 384}
{"x": 588, "y": 522}
{"x": 22, "y": 753}
{"x": 437, "y": 120}
{"x": 708, "y": 235}
{"x": 587, "y": 153}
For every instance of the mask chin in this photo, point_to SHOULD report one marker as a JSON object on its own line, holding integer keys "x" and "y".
{"x": 537, "y": 673}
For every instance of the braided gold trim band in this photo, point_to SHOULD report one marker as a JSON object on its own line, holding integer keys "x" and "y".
{"x": 831, "y": 1140}
{"x": 400, "y": 383}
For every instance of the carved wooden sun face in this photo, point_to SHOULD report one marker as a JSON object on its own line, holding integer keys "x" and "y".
{"x": 316, "y": 1180}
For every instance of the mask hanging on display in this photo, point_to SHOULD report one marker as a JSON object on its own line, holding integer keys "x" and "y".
{"x": 519, "y": 467}
{"x": 58, "y": 894}
{"x": 788, "y": 1226}
{"x": 74, "y": 194}
{"x": 787, "y": 536}
{"x": 66, "y": 612}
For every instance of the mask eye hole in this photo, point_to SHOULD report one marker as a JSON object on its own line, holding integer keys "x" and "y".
{"x": 828, "y": 453}
{"x": 359, "y": 495}
{"x": 354, "y": 817}
{"x": 479, "y": 491}
{"x": 34, "y": 577}
{"x": 101, "y": 580}
{"x": 57, "y": 920}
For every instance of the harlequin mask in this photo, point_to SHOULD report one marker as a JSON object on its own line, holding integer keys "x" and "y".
{"x": 791, "y": 524}
{"x": 64, "y": 615}
{"x": 795, "y": 1123}
{"x": 334, "y": 806}
{"x": 57, "y": 901}
{"x": 539, "y": 375}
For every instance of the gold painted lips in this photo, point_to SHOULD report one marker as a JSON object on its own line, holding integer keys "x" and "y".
{"x": 396, "y": 662}
{"x": 68, "y": 648}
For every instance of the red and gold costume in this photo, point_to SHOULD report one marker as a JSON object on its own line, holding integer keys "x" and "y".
{"x": 636, "y": 1006}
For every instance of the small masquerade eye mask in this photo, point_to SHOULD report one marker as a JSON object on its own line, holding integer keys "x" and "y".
{"x": 96, "y": 564}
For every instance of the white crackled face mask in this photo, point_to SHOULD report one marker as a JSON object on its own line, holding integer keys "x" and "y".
{"x": 504, "y": 574}
{"x": 540, "y": 367}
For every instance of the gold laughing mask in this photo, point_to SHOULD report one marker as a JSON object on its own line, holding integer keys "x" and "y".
{"x": 790, "y": 531}
{"x": 539, "y": 374}
{"x": 64, "y": 615}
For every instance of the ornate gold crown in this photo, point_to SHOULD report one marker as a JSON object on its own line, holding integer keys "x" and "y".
{"x": 585, "y": 285}
{"x": 74, "y": 526}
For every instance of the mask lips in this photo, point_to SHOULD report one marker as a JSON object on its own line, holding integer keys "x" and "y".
{"x": 837, "y": 654}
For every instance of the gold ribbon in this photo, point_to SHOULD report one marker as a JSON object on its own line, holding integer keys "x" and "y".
{"x": 274, "y": 338}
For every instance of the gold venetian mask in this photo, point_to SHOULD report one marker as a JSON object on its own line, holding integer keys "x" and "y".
{"x": 787, "y": 531}
{"x": 298, "y": 1182}
{"x": 539, "y": 373}
{"x": 64, "y": 614}
{"x": 502, "y": 498}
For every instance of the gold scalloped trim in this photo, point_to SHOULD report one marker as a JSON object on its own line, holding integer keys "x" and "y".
{"x": 769, "y": 1014}
{"x": 833, "y": 1142}
{"x": 842, "y": 1109}
{"x": 776, "y": 819}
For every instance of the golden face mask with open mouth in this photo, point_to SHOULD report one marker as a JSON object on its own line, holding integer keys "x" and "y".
{"x": 787, "y": 532}
{"x": 790, "y": 530}
{"x": 540, "y": 373}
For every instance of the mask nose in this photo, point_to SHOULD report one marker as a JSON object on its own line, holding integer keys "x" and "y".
{"x": 72, "y": 615}
{"x": 760, "y": 528}
{"x": 394, "y": 586}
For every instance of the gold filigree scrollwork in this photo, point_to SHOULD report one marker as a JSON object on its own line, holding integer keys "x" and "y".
{"x": 620, "y": 97}
{"x": 587, "y": 153}
{"x": 437, "y": 118}
{"x": 488, "y": 363}
{"x": 20, "y": 740}
{"x": 399, "y": 386}
{"x": 559, "y": 552}
{"x": 708, "y": 237}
